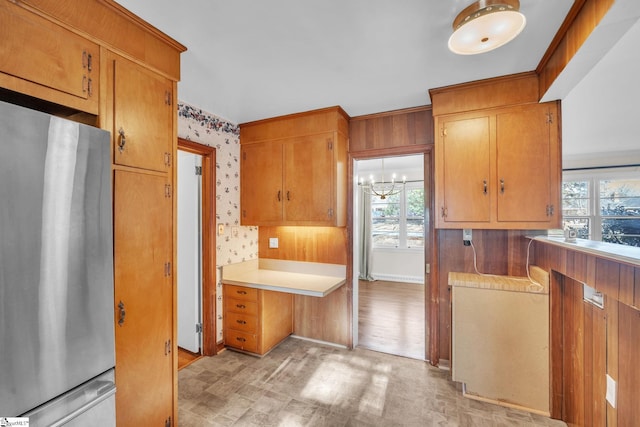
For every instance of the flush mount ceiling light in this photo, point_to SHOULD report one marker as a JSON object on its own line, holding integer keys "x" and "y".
{"x": 486, "y": 25}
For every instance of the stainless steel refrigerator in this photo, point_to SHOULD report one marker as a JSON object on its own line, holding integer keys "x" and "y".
{"x": 57, "y": 352}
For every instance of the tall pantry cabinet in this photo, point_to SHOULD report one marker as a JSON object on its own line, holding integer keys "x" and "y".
{"x": 95, "y": 62}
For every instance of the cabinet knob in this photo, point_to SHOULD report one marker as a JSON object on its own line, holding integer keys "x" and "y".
{"x": 279, "y": 192}
{"x": 502, "y": 186}
{"x": 122, "y": 140}
{"x": 484, "y": 184}
{"x": 241, "y": 339}
{"x": 241, "y": 306}
{"x": 242, "y": 292}
{"x": 242, "y": 322}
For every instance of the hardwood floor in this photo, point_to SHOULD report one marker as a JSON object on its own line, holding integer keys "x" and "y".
{"x": 185, "y": 358}
{"x": 391, "y": 318}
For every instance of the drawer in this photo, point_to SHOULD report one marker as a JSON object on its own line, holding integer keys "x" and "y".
{"x": 240, "y": 292}
{"x": 240, "y": 306}
{"x": 241, "y": 340}
{"x": 241, "y": 322}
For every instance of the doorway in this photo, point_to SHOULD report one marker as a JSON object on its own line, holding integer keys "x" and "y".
{"x": 195, "y": 251}
{"x": 389, "y": 252}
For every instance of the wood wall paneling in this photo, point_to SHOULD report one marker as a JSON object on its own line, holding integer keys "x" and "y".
{"x": 588, "y": 342}
{"x": 607, "y": 277}
{"x": 573, "y": 360}
{"x": 628, "y": 412}
{"x": 636, "y": 293}
{"x": 329, "y": 318}
{"x": 394, "y": 129}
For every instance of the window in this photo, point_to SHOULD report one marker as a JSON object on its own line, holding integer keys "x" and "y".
{"x": 398, "y": 220}
{"x": 605, "y": 206}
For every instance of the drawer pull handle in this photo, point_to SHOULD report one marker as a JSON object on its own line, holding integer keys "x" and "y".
{"x": 241, "y": 339}
{"x": 242, "y": 322}
{"x": 241, "y": 306}
{"x": 242, "y": 292}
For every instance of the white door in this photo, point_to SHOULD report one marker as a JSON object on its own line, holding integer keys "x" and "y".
{"x": 189, "y": 251}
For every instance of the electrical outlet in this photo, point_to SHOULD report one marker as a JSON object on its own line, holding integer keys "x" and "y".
{"x": 235, "y": 231}
{"x": 273, "y": 243}
{"x": 466, "y": 236}
{"x": 220, "y": 229}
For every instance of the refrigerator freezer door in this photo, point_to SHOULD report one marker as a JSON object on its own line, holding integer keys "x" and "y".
{"x": 56, "y": 257}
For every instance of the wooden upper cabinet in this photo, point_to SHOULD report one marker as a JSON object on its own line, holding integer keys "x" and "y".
{"x": 143, "y": 116}
{"x": 465, "y": 165}
{"x": 44, "y": 60}
{"x": 499, "y": 168}
{"x": 261, "y": 171}
{"x": 527, "y": 165}
{"x": 295, "y": 173}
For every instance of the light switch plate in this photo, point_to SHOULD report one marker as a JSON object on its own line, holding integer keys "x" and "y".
{"x": 273, "y": 242}
{"x": 220, "y": 229}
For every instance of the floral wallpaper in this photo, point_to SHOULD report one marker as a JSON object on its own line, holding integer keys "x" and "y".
{"x": 205, "y": 128}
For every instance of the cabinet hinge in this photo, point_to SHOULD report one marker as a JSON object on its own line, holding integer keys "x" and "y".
{"x": 330, "y": 213}
{"x": 168, "y": 422}
{"x": 244, "y": 213}
{"x": 167, "y": 159}
{"x": 167, "y": 269}
{"x": 549, "y": 118}
{"x": 329, "y": 144}
{"x": 167, "y": 347}
{"x": 167, "y": 191}
{"x": 199, "y": 170}
{"x": 167, "y": 97}
{"x": 443, "y": 131}
{"x": 198, "y": 328}
{"x": 427, "y": 268}
{"x": 443, "y": 212}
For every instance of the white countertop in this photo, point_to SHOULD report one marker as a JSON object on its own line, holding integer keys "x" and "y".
{"x": 295, "y": 277}
{"x": 611, "y": 251}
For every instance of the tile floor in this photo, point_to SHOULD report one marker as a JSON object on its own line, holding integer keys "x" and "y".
{"x": 302, "y": 383}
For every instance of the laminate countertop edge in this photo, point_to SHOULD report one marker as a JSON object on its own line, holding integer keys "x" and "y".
{"x": 295, "y": 277}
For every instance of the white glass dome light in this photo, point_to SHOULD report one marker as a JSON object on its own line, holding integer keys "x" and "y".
{"x": 486, "y": 25}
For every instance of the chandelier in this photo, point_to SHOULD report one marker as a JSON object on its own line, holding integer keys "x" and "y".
{"x": 382, "y": 188}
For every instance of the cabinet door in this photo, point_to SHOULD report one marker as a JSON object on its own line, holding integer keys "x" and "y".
{"x": 309, "y": 179}
{"x": 524, "y": 175}
{"x": 143, "y": 117}
{"x": 465, "y": 152}
{"x": 143, "y": 299}
{"x": 261, "y": 183}
{"x": 58, "y": 65}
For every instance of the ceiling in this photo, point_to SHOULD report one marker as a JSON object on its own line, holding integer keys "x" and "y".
{"x": 249, "y": 60}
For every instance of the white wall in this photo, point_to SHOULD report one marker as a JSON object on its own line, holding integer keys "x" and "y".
{"x": 398, "y": 265}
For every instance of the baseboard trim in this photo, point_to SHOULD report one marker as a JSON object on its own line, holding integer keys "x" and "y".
{"x": 399, "y": 278}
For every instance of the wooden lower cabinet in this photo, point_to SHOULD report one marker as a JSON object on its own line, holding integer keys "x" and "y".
{"x": 256, "y": 320}
{"x": 143, "y": 300}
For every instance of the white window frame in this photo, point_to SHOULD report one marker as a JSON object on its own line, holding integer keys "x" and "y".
{"x": 593, "y": 177}
{"x": 402, "y": 220}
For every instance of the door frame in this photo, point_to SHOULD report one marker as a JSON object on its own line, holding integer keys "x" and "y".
{"x": 209, "y": 342}
{"x": 431, "y": 315}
